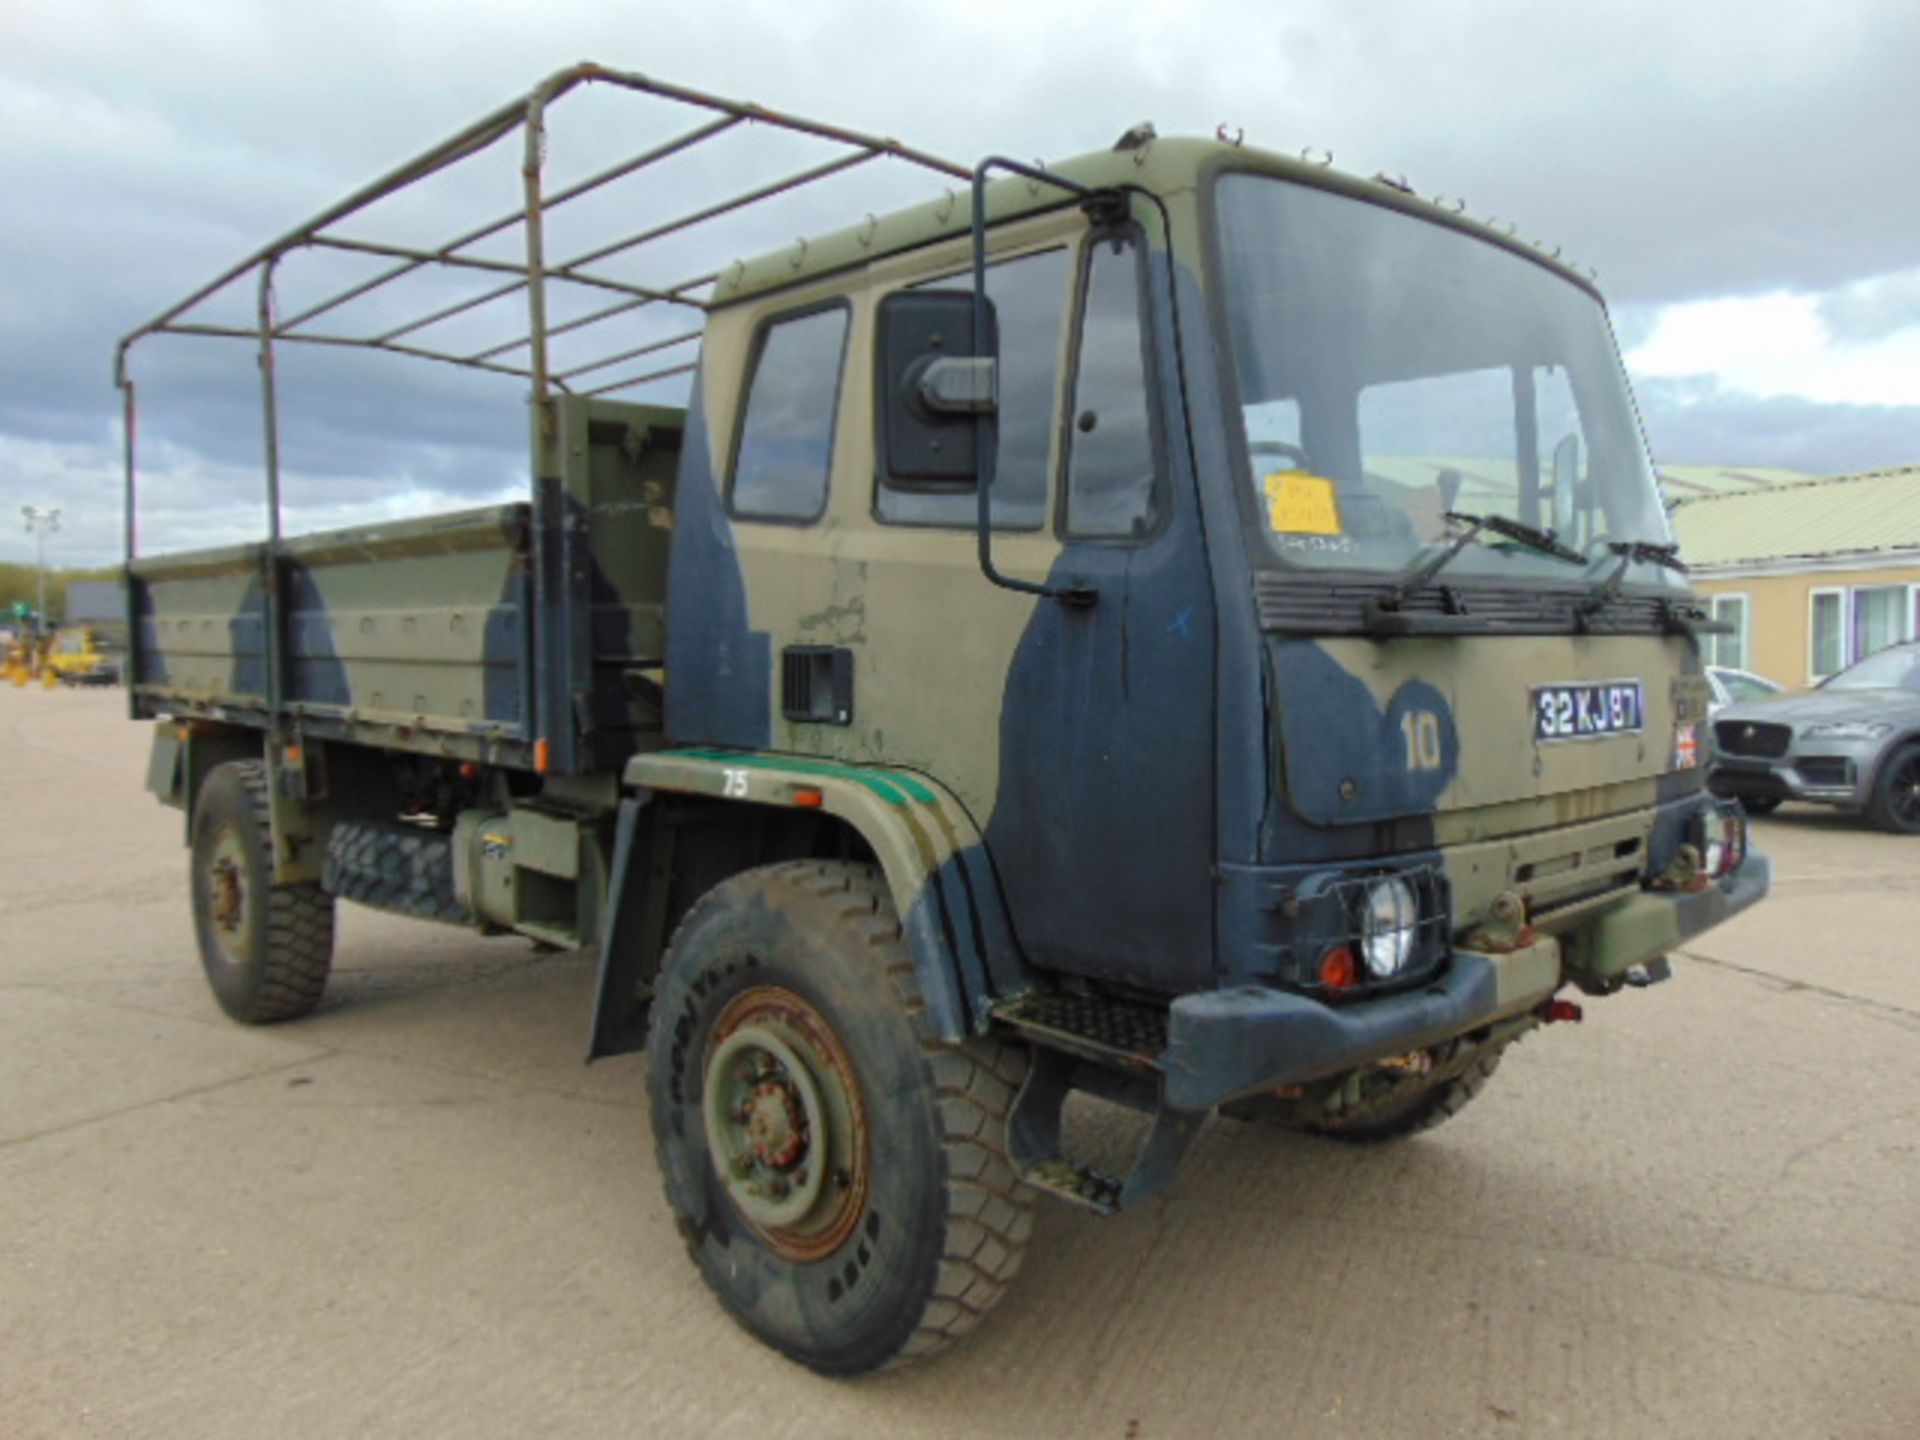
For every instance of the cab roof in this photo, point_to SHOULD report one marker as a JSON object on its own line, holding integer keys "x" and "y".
{"x": 1162, "y": 167}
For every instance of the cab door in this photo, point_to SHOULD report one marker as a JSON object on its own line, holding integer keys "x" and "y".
{"x": 1079, "y": 738}
{"x": 1102, "y": 828}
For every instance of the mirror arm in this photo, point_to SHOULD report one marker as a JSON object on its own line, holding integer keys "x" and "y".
{"x": 958, "y": 384}
{"x": 1071, "y": 595}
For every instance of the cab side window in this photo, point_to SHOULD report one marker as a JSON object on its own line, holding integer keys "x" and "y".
{"x": 1112, "y": 462}
{"x": 1029, "y": 297}
{"x": 785, "y": 451}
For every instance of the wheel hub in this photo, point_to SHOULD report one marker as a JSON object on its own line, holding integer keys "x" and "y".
{"x": 784, "y": 1122}
{"x": 226, "y": 897}
{"x": 776, "y": 1124}
{"x": 226, "y": 893}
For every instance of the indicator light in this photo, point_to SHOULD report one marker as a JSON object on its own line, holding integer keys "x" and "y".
{"x": 1337, "y": 970}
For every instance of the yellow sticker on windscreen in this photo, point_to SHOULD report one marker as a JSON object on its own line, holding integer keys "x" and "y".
{"x": 1301, "y": 504}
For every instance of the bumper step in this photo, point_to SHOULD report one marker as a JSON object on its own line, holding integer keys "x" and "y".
{"x": 1108, "y": 1032}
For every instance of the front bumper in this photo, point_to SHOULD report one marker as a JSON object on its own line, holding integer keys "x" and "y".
{"x": 1825, "y": 773}
{"x": 1226, "y": 1043}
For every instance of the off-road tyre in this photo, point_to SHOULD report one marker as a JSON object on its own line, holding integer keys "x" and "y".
{"x": 921, "y": 1222}
{"x": 395, "y": 867}
{"x": 1895, "y": 803}
{"x": 1760, "y": 804}
{"x": 1421, "y": 1108}
{"x": 266, "y": 948}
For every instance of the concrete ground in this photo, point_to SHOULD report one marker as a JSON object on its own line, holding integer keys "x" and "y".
{"x": 416, "y": 1213}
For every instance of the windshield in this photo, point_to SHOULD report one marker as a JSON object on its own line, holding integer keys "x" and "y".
{"x": 1392, "y": 370}
{"x": 1894, "y": 669}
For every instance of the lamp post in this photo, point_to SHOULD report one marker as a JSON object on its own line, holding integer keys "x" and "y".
{"x": 40, "y": 524}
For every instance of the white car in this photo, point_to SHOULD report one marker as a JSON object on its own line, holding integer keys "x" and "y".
{"x": 1736, "y": 687}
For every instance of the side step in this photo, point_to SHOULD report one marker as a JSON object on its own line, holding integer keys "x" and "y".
{"x": 1107, "y": 1032}
{"x": 1069, "y": 1032}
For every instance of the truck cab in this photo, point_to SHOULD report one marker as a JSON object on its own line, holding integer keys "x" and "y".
{"x": 1257, "y": 739}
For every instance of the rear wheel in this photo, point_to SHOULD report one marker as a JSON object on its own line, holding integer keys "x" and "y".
{"x": 1390, "y": 1106}
{"x": 266, "y": 948}
{"x": 1410, "y": 1107}
{"x": 1896, "y": 792}
{"x": 841, "y": 1179}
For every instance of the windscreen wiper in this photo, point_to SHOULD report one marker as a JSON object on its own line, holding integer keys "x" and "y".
{"x": 1602, "y": 595}
{"x": 1423, "y": 571}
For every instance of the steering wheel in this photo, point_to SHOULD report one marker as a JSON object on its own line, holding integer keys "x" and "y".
{"x": 1281, "y": 448}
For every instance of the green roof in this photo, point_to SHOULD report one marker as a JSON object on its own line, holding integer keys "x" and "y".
{"x": 1811, "y": 519}
{"x": 1682, "y": 483}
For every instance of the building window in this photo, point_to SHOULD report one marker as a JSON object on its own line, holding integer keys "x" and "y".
{"x": 1847, "y": 625}
{"x": 1827, "y": 634}
{"x": 1882, "y": 616}
{"x": 785, "y": 452}
{"x": 1729, "y": 650}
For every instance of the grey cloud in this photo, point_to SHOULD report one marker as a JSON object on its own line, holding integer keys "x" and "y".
{"x": 1633, "y": 325}
{"x": 1691, "y": 420}
{"x": 1870, "y": 310}
{"x": 1685, "y": 151}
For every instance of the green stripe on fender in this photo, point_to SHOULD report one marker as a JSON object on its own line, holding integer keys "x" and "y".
{"x": 890, "y": 785}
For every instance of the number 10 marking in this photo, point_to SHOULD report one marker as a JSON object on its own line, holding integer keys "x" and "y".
{"x": 1421, "y": 730}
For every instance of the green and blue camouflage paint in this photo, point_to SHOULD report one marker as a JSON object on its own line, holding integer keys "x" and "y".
{"x": 1130, "y": 792}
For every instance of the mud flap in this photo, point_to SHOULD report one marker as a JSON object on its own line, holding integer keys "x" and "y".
{"x": 623, "y": 994}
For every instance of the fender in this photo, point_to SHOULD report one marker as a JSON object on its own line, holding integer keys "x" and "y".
{"x": 185, "y": 752}
{"x": 952, "y": 913}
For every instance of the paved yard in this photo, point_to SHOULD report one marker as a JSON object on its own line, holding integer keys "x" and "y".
{"x": 417, "y": 1213}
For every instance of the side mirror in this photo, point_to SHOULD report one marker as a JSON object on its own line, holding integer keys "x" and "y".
{"x": 935, "y": 382}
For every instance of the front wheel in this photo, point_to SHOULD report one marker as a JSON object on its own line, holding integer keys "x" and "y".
{"x": 1895, "y": 804}
{"x": 841, "y": 1179}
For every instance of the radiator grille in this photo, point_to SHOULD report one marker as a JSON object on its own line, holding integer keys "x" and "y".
{"x": 1752, "y": 737}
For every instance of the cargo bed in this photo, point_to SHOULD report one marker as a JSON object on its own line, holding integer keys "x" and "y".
{"x": 475, "y": 635}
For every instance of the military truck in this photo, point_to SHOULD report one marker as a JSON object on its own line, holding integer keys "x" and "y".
{"x": 1186, "y": 626}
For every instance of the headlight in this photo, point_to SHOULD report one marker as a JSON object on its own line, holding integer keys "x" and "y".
{"x": 1847, "y": 730}
{"x": 1722, "y": 837}
{"x": 1714, "y": 853}
{"x": 1389, "y": 921}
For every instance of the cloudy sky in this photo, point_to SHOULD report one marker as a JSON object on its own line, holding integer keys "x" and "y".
{"x": 1740, "y": 174}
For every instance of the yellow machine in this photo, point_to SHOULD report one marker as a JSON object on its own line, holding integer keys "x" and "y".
{"x": 21, "y": 659}
{"x": 80, "y": 655}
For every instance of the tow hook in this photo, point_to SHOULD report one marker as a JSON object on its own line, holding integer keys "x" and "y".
{"x": 1559, "y": 1011}
{"x": 1651, "y": 973}
{"x": 1416, "y": 1062}
{"x": 1505, "y": 928}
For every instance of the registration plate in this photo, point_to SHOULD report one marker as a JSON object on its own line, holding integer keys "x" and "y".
{"x": 1588, "y": 711}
